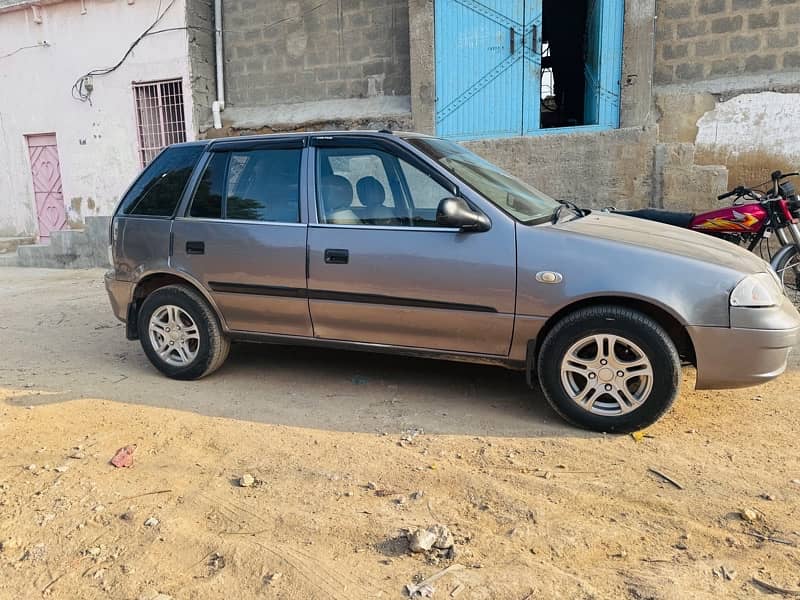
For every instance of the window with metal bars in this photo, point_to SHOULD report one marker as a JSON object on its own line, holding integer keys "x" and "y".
{"x": 159, "y": 116}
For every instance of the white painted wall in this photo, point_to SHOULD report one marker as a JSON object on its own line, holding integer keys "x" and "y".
{"x": 765, "y": 122}
{"x": 97, "y": 143}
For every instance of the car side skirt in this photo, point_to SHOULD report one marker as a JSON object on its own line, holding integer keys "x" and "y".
{"x": 293, "y": 340}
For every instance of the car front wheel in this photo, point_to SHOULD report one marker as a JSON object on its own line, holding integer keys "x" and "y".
{"x": 180, "y": 334}
{"x": 609, "y": 369}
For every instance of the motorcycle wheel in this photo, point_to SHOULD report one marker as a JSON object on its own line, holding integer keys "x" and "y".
{"x": 788, "y": 269}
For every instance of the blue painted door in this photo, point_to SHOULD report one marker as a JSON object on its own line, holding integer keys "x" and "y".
{"x": 479, "y": 68}
{"x": 532, "y": 67}
{"x": 591, "y": 66}
{"x": 489, "y": 67}
{"x": 603, "y": 63}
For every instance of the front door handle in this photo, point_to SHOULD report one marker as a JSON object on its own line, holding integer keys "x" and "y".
{"x": 337, "y": 256}
{"x": 195, "y": 247}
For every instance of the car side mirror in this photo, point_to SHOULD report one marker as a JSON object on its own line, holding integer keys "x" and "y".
{"x": 455, "y": 212}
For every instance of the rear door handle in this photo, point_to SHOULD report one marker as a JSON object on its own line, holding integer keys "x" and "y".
{"x": 195, "y": 247}
{"x": 336, "y": 256}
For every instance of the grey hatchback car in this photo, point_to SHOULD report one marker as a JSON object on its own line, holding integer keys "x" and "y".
{"x": 411, "y": 244}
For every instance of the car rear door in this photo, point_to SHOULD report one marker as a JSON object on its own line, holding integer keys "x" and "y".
{"x": 243, "y": 233}
{"x": 400, "y": 280}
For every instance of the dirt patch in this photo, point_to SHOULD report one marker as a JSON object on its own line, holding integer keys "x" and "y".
{"x": 366, "y": 450}
{"x": 327, "y": 513}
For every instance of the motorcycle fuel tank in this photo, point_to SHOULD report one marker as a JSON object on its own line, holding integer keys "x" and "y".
{"x": 748, "y": 217}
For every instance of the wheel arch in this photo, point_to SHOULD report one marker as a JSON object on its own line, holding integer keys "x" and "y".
{"x": 155, "y": 280}
{"x": 675, "y": 329}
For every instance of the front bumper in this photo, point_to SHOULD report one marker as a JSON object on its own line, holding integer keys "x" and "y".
{"x": 119, "y": 294}
{"x": 744, "y": 356}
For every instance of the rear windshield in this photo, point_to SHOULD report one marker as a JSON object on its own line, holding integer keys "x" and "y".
{"x": 158, "y": 190}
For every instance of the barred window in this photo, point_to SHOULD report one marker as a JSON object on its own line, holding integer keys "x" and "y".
{"x": 159, "y": 116}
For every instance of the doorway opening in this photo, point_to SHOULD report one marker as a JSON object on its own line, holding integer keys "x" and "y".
{"x": 567, "y": 58}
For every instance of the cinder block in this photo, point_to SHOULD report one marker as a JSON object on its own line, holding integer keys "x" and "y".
{"x": 727, "y": 24}
{"x": 763, "y": 20}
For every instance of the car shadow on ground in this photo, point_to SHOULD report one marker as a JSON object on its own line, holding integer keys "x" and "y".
{"x": 378, "y": 390}
{"x": 330, "y": 389}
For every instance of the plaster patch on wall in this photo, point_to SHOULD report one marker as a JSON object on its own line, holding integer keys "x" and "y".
{"x": 762, "y": 123}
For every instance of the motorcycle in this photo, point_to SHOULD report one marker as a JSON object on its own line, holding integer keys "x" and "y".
{"x": 751, "y": 220}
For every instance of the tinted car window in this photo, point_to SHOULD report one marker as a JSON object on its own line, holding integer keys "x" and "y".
{"x": 207, "y": 201}
{"x": 426, "y": 193}
{"x": 158, "y": 189}
{"x": 355, "y": 165}
{"x": 264, "y": 185}
{"x": 253, "y": 185}
{"x": 364, "y": 186}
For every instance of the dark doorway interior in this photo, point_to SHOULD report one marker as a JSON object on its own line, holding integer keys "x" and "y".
{"x": 564, "y": 40}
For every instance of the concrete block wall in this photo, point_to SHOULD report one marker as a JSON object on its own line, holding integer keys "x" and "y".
{"x": 610, "y": 168}
{"x": 202, "y": 67}
{"x": 702, "y": 39}
{"x": 291, "y": 52}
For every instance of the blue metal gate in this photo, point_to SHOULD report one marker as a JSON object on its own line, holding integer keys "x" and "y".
{"x": 488, "y": 67}
{"x": 479, "y": 83}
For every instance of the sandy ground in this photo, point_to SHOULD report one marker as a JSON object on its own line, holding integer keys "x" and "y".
{"x": 538, "y": 509}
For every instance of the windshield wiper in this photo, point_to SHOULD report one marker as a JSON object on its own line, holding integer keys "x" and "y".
{"x": 566, "y": 204}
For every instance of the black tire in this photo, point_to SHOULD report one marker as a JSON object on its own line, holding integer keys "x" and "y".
{"x": 634, "y": 326}
{"x": 788, "y": 269}
{"x": 212, "y": 347}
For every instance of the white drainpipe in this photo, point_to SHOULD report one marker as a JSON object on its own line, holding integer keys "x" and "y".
{"x": 219, "y": 104}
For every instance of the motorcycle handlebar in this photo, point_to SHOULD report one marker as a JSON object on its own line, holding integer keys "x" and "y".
{"x": 739, "y": 191}
{"x": 777, "y": 175}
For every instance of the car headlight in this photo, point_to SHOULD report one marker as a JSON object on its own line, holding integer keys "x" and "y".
{"x": 757, "y": 291}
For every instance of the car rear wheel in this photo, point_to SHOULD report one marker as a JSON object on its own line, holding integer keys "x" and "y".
{"x": 180, "y": 334}
{"x": 609, "y": 368}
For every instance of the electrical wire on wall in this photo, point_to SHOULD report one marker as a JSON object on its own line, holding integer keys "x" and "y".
{"x": 42, "y": 44}
{"x": 83, "y": 86}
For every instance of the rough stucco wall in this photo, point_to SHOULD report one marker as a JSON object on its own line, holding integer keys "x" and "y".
{"x": 753, "y": 134}
{"x": 200, "y": 24}
{"x": 423, "y": 76}
{"x": 727, "y": 75}
{"x": 595, "y": 169}
{"x": 97, "y": 143}
{"x": 304, "y": 51}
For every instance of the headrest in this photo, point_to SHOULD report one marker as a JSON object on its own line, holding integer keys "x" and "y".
{"x": 370, "y": 192}
{"x": 337, "y": 192}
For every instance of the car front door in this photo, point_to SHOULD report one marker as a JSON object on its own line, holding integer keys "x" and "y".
{"x": 243, "y": 236}
{"x": 380, "y": 269}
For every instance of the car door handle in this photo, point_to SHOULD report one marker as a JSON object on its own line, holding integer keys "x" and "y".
{"x": 195, "y": 247}
{"x": 335, "y": 256}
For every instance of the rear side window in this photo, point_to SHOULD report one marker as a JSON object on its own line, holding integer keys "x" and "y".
{"x": 207, "y": 201}
{"x": 258, "y": 185}
{"x": 158, "y": 190}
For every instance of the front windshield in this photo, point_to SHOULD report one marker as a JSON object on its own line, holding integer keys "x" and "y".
{"x": 520, "y": 200}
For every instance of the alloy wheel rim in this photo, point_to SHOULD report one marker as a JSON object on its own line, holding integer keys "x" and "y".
{"x": 607, "y": 375}
{"x": 174, "y": 335}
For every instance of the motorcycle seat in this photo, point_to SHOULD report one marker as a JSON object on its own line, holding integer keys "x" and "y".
{"x": 678, "y": 219}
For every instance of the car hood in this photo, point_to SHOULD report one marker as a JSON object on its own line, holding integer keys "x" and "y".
{"x": 637, "y": 232}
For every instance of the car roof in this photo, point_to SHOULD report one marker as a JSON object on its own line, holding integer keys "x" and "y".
{"x": 354, "y": 132}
